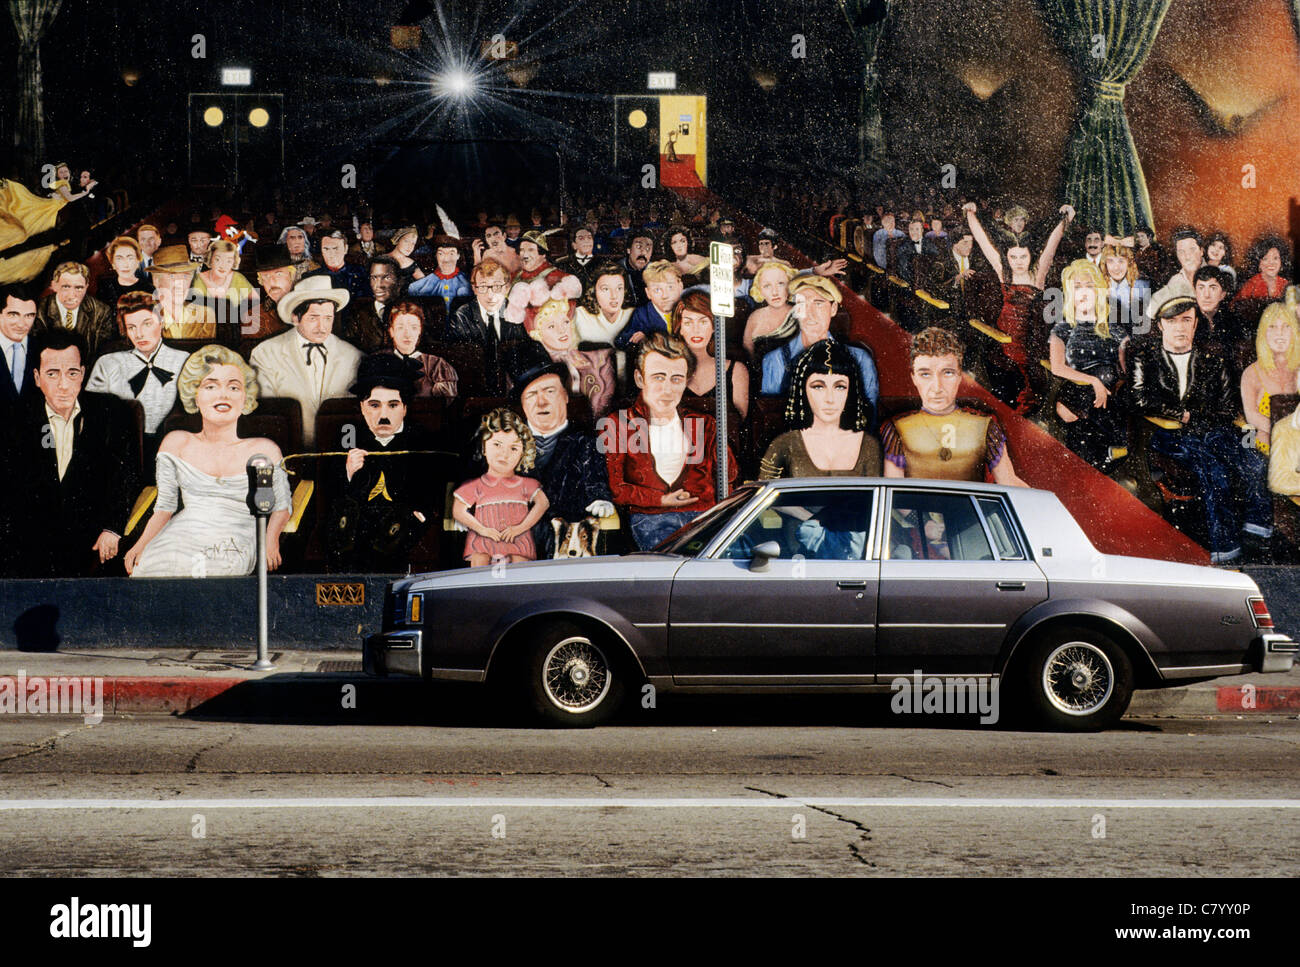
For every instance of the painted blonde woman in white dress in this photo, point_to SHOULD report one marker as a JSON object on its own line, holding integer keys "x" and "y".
{"x": 215, "y": 534}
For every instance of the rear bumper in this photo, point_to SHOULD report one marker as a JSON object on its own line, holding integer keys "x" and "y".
{"x": 393, "y": 653}
{"x": 1274, "y": 653}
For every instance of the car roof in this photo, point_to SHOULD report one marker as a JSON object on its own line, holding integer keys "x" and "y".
{"x": 796, "y": 483}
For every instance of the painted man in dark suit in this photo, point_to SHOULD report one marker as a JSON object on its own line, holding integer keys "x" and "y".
{"x": 367, "y": 320}
{"x": 72, "y": 469}
{"x": 915, "y": 252}
{"x": 385, "y": 503}
{"x": 482, "y": 323}
{"x": 17, "y": 317}
{"x": 571, "y": 470}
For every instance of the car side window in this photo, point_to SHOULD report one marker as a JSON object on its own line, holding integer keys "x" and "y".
{"x": 936, "y": 527}
{"x": 1004, "y": 534}
{"x": 827, "y": 525}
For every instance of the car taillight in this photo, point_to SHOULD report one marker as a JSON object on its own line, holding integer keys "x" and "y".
{"x": 1259, "y": 611}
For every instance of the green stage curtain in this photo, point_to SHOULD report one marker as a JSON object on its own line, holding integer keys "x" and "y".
{"x": 1107, "y": 41}
{"x": 867, "y": 20}
{"x": 31, "y": 19}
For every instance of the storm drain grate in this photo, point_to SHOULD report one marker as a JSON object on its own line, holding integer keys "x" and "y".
{"x": 339, "y": 666}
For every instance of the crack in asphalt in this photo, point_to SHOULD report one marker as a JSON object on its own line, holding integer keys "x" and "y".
{"x": 45, "y": 745}
{"x": 193, "y": 764}
{"x": 864, "y": 832}
{"x": 932, "y": 782}
{"x": 607, "y": 785}
{"x": 855, "y": 849}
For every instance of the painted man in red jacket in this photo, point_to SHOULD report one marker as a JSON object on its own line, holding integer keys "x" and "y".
{"x": 661, "y": 460}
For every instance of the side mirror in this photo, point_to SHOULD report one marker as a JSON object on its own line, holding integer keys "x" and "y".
{"x": 763, "y": 555}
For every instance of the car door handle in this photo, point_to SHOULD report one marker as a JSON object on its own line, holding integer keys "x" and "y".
{"x": 851, "y": 585}
{"x": 1011, "y": 585}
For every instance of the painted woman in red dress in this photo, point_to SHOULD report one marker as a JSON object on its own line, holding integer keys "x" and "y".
{"x": 1009, "y": 373}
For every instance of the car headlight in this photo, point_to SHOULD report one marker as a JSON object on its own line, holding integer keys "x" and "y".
{"x": 414, "y": 608}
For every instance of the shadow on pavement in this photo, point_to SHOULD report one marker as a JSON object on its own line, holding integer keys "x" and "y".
{"x": 344, "y": 700}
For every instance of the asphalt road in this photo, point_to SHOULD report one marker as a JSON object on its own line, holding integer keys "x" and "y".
{"x": 730, "y": 787}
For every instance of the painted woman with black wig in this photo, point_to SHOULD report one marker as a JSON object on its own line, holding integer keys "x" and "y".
{"x": 829, "y": 415}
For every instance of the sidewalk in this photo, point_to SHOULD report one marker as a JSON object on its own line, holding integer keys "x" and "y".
{"x": 178, "y": 680}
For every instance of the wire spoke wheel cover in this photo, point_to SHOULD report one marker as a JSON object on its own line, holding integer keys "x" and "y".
{"x": 576, "y": 675}
{"x": 1078, "y": 678}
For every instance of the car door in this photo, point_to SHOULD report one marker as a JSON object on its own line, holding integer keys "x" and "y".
{"x": 808, "y": 616}
{"x": 955, "y": 574}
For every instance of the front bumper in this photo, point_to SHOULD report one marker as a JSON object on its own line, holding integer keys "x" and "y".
{"x": 1274, "y": 653}
{"x": 393, "y": 653}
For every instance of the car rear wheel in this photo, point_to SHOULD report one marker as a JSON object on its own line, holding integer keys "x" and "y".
{"x": 573, "y": 678}
{"x": 1077, "y": 680}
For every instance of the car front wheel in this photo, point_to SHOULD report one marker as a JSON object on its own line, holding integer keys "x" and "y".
{"x": 1077, "y": 680}
{"x": 573, "y": 678}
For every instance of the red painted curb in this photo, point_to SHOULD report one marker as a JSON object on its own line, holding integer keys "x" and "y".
{"x": 46, "y": 693}
{"x": 153, "y": 694}
{"x": 1258, "y": 698}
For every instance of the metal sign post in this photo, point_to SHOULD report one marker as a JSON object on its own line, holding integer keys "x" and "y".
{"x": 722, "y": 301}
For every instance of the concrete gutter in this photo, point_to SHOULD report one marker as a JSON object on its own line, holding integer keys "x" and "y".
{"x": 177, "y": 681}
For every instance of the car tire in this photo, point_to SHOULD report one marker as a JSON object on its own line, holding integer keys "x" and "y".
{"x": 573, "y": 679}
{"x": 1076, "y": 680}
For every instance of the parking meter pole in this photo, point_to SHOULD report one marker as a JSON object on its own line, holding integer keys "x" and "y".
{"x": 261, "y": 501}
{"x": 720, "y": 396}
{"x": 263, "y": 662}
{"x": 722, "y": 300}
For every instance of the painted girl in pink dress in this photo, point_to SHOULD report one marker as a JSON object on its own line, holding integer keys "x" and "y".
{"x": 505, "y": 505}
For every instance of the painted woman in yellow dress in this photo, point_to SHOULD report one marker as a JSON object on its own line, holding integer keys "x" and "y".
{"x": 24, "y": 216}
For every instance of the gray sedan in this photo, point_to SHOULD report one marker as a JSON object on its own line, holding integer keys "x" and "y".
{"x": 845, "y": 585}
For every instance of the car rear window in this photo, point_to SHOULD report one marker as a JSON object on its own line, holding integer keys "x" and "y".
{"x": 1000, "y": 526}
{"x": 925, "y": 525}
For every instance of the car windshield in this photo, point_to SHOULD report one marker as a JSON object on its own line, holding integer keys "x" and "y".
{"x": 696, "y": 536}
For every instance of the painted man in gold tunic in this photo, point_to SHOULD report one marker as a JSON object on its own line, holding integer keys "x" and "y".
{"x": 942, "y": 440}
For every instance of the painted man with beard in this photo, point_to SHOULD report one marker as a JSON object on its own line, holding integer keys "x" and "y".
{"x": 276, "y": 275}
{"x": 537, "y": 282}
{"x": 493, "y": 245}
{"x": 640, "y": 246}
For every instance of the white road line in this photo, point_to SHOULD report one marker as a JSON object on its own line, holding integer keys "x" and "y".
{"x": 733, "y": 802}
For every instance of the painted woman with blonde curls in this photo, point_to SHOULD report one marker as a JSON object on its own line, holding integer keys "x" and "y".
{"x": 214, "y": 535}
{"x": 1087, "y": 353}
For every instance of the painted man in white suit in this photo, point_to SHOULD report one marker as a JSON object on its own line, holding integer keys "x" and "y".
{"x": 308, "y": 363}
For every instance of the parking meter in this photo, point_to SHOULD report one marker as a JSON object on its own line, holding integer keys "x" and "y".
{"x": 261, "y": 500}
{"x": 260, "y": 495}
